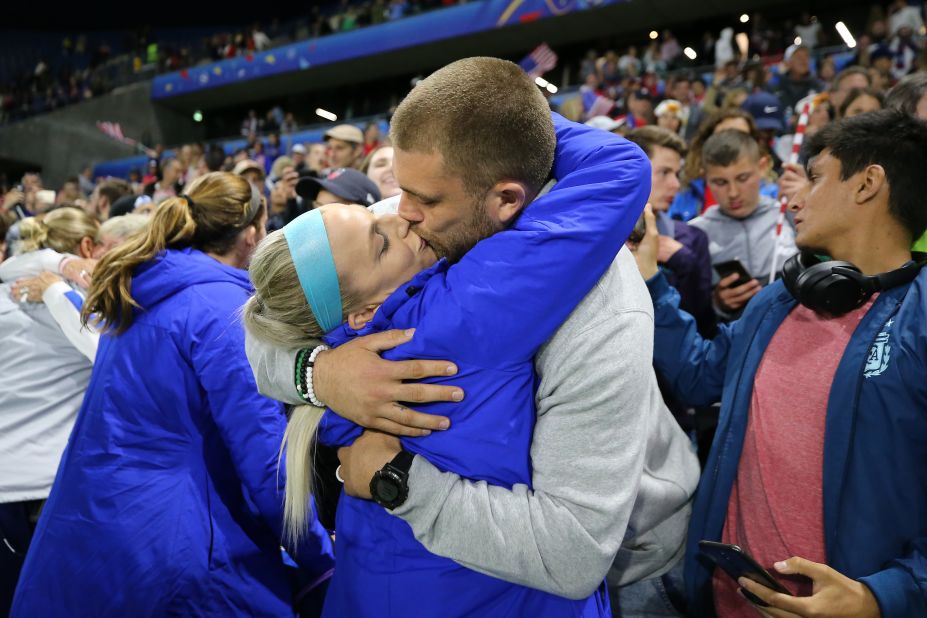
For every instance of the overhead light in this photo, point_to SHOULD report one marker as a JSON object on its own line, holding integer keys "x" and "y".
{"x": 327, "y": 115}
{"x": 541, "y": 82}
{"x": 197, "y": 116}
{"x": 551, "y": 89}
{"x": 653, "y": 35}
{"x": 798, "y": 40}
{"x": 690, "y": 53}
{"x": 744, "y": 18}
{"x": 844, "y": 33}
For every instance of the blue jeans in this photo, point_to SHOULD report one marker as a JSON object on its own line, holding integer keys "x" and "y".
{"x": 657, "y": 597}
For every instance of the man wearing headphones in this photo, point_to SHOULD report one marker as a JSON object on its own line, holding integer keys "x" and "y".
{"x": 817, "y": 469}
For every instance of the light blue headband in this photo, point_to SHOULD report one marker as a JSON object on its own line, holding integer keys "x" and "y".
{"x": 315, "y": 267}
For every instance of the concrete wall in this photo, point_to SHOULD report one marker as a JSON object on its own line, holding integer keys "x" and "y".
{"x": 61, "y": 142}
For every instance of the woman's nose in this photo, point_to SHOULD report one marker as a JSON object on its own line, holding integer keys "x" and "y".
{"x": 402, "y": 227}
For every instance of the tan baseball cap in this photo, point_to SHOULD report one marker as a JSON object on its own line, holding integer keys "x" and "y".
{"x": 247, "y": 164}
{"x": 346, "y": 133}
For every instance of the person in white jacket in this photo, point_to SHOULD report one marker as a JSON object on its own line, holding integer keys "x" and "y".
{"x": 64, "y": 300}
{"x": 42, "y": 384}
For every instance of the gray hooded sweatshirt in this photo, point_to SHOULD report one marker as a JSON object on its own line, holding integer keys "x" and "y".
{"x": 750, "y": 240}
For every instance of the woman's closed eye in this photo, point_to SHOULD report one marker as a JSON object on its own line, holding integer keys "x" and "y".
{"x": 385, "y": 247}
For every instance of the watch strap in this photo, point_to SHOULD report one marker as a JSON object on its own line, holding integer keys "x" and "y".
{"x": 402, "y": 462}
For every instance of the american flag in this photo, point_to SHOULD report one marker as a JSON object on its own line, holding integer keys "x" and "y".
{"x": 114, "y": 131}
{"x": 539, "y": 61}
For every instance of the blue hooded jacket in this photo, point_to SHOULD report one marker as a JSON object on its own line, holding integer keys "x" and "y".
{"x": 875, "y": 470}
{"x": 168, "y": 499}
{"x": 489, "y": 313}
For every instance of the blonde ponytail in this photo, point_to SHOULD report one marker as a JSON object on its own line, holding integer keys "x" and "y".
{"x": 110, "y": 296}
{"x": 298, "y": 442}
{"x": 32, "y": 234}
{"x": 219, "y": 206}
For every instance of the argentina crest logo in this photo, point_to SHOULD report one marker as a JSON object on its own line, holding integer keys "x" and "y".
{"x": 880, "y": 353}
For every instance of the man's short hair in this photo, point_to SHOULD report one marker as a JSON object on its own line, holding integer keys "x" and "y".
{"x": 853, "y": 70}
{"x": 907, "y": 93}
{"x": 889, "y": 138}
{"x": 486, "y": 118}
{"x": 650, "y": 137}
{"x": 113, "y": 188}
{"x": 726, "y": 147}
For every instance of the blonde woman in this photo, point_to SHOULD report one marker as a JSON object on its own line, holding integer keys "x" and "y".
{"x": 42, "y": 383}
{"x": 63, "y": 299}
{"x": 167, "y": 498}
{"x": 341, "y": 272}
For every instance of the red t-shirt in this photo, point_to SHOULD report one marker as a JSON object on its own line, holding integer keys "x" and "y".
{"x": 776, "y": 508}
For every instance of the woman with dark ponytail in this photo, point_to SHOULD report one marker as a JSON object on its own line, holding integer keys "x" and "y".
{"x": 168, "y": 500}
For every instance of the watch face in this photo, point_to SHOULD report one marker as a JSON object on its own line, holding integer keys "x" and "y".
{"x": 387, "y": 491}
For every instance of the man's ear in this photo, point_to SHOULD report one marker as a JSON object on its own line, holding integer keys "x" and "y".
{"x": 86, "y": 247}
{"x": 505, "y": 201}
{"x": 871, "y": 181}
{"x": 358, "y": 319}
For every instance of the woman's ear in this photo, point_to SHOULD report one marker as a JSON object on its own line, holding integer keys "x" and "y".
{"x": 86, "y": 247}
{"x": 249, "y": 236}
{"x": 358, "y": 319}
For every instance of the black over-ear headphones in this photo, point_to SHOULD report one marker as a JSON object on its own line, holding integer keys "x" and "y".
{"x": 834, "y": 287}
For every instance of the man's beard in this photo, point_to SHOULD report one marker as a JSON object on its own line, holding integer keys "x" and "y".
{"x": 456, "y": 242}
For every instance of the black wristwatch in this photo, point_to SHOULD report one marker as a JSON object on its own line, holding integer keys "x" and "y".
{"x": 390, "y": 485}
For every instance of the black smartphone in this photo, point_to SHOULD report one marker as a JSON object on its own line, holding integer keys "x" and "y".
{"x": 640, "y": 229}
{"x": 726, "y": 269}
{"x": 737, "y": 563}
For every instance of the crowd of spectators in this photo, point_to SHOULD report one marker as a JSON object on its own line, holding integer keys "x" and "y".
{"x": 722, "y": 146}
{"x": 81, "y": 70}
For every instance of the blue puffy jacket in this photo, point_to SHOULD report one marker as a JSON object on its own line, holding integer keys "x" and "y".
{"x": 167, "y": 500}
{"x": 489, "y": 313}
{"x": 875, "y": 467}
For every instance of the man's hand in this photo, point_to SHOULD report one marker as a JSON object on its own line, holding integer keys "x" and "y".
{"x": 792, "y": 180}
{"x": 833, "y": 595}
{"x": 731, "y": 299}
{"x": 288, "y": 181}
{"x": 31, "y": 289}
{"x": 361, "y": 460}
{"x": 647, "y": 250}
{"x": 78, "y": 270}
{"x": 666, "y": 248}
{"x": 362, "y": 387}
{"x": 12, "y": 198}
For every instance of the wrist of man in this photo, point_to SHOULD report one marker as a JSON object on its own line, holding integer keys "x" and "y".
{"x": 320, "y": 371}
{"x": 427, "y": 487}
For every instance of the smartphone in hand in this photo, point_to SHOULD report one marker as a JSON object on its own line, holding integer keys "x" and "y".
{"x": 728, "y": 268}
{"x": 640, "y": 229}
{"x": 737, "y": 563}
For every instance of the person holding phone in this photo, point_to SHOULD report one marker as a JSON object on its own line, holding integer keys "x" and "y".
{"x": 817, "y": 469}
{"x": 742, "y": 226}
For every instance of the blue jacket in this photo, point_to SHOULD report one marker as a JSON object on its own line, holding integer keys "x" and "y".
{"x": 689, "y": 271}
{"x": 167, "y": 500}
{"x": 489, "y": 313}
{"x": 875, "y": 469}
